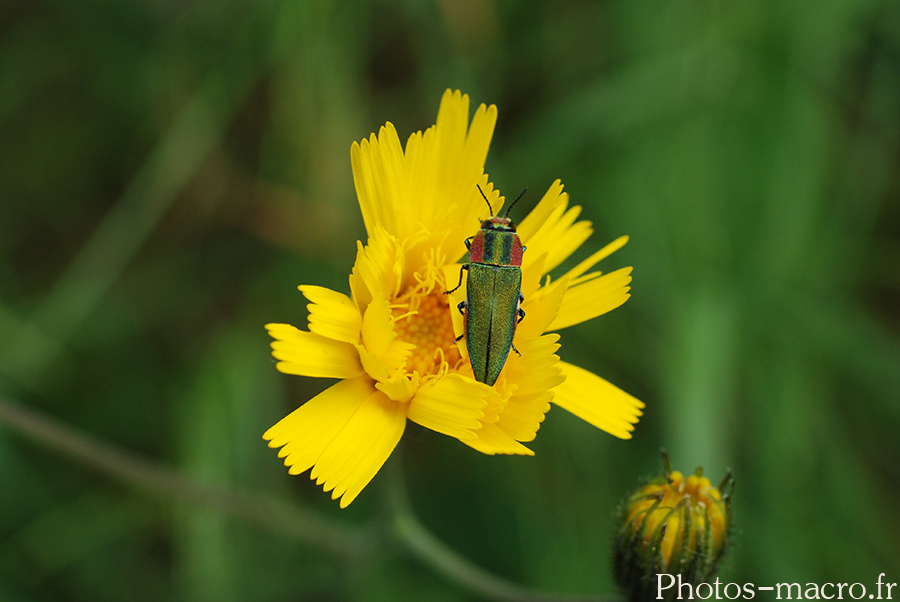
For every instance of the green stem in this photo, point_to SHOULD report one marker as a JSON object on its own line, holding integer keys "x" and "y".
{"x": 264, "y": 510}
{"x": 275, "y": 514}
{"x": 422, "y": 543}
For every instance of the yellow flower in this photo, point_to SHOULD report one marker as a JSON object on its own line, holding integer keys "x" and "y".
{"x": 391, "y": 342}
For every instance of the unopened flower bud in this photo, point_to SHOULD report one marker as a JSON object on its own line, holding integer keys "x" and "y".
{"x": 673, "y": 525}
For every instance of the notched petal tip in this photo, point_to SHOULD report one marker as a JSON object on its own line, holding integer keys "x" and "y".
{"x": 344, "y": 435}
{"x": 360, "y": 449}
{"x": 452, "y": 405}
{"x": 309, "y": 354}
{"x": 597, "y": 401}
{"x": 492, "y": 440}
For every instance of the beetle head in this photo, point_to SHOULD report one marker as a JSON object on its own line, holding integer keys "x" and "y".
{"x": 504, "y": 224}
{"x": 496, "y": 222}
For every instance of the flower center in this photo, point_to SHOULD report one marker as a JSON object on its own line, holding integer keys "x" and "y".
{"x": 424, "y": 320}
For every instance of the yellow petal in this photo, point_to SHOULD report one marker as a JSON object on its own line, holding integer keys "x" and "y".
{"x": 453, "y": 121}
{"x": 452, "y": 273}
{"x": 361, "y": 447}
{"x": 445, "y": 164}
{"x": 536, "y": 369}
{"x": 381, "y": 352}
{"x": 478, "y": 140}
{"x": 597, "y": 401}
{"x": 541, "y": 309}
{"x": 359, "y": 291}
{"x": 431, "y": 183}
{"x": 588, "y": 263}
{"x": 560, "y": 235}
{"x": 332, "y": 314}
{"x": 490, "y": 440}
{"x": 552, "y": 199}
{"x": 310, "y": 354}
{"x": 453, "y": 161}
{"x": 378, "y": 328}
{"x": 380, "y": 180}
{"x": 551, "y": 229}
{"x": 451, "y": 405}
{"x": 378, "y": 271}
{"x": 305, "y": 433}
{"x": 523, "y": 414}
{"x": 593, "y": 298}
{"x": 533, "y": 375}
{"x": 460, "y": 150}
{"x": 372, "y": 364}
{"x": 533, "y": 272}
{"x": 400, "y": 387}
{"x": 363, "y": 179}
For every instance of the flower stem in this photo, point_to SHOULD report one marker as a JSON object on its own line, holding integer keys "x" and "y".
{"x": 264, "y": 510}
{"x": 422, "y": 543}
{"x": 274, "y": 514}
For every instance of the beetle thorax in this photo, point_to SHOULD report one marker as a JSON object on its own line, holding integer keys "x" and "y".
{"x": 496, "y": 246}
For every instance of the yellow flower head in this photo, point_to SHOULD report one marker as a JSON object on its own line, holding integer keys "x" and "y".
{"x": 391, "y": 342}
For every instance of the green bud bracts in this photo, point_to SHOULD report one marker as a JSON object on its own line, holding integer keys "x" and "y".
{"x": 672, "y": 525}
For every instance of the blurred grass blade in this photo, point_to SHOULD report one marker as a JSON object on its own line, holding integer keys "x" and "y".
{"x": 124, "y": 230}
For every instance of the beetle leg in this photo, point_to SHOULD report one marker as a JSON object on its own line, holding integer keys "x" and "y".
{"x": 464, "y": 266}
{"x": 461, "y": 306}
{"x": 516, "y": 350}
{"x": 519, "y": 310}
{"x": 469, "y": 242}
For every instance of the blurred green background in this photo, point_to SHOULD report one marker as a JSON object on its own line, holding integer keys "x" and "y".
{"x": 171, "y": 171}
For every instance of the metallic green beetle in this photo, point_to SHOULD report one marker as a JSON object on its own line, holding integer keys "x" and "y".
{"x": 492, "y": 308}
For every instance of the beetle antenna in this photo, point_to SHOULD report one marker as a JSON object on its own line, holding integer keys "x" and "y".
{"x": 521, "y": 194}
{"x": 485, "y": 198}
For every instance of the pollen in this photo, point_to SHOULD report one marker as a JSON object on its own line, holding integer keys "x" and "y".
{"x": 425, "y": 322}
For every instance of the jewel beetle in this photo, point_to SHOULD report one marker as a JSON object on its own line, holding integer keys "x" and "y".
{"x": 492, "y": 308}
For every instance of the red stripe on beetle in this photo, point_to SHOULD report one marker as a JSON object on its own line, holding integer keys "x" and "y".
{"x": 476, "y": 249}
{"x": 516, "y": 255}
